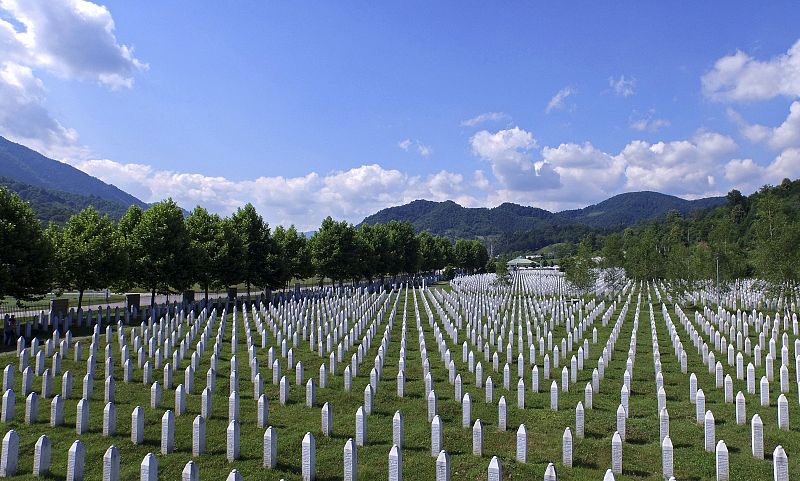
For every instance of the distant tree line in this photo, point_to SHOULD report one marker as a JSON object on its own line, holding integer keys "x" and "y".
{"x": 160, "y": 250}
{"x": 751, "y": 236}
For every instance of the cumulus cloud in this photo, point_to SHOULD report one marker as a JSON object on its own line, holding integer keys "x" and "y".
{"x": 23, "y": 116}
{"x": 684, "y": 167}
{"x": 622, "y": 86}
{"x": 783, "y": 136}
{"x": 557, "y": 102}
{"x": 73, "y": 39}
{"x": 404, "y": 144}
{"x": 350, "y": 194}
{"x": 510, "y": 154}
{"x": 485, "y": 117}
{"x": 747, "y": 174}
{"x": 585, "y": 172}
{"x": 740, "y": 77}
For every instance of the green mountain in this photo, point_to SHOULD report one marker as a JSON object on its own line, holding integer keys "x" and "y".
{"x": 632, "y": 207}
{"x": 58, "y": 206}
{"x": 515, "y": 227}
{"x": 30, "y": 167}
{"x": 450, "y": 219}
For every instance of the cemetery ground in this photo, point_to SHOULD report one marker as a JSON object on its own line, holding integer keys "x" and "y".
{"x": 642, "y": 455}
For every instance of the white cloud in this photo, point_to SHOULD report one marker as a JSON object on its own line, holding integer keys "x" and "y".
{"x": 747, "y": 174}
{"x": 648, "y": 123}
{"x": 25, "y": 119}
{"x": 509, "y": 153}
{"x": 682, "y": 167}
{"x": 424, "y": 150}
{"x": 485, "y": 117}
{"x": 73, "y": 39}
{"x": 557, "y": 102}
{"x": 622, "y": 86}
{"x": 304, "y": 200}
{"x": 781, "y": 137}
{"x": 586, "y": 173}
{"x": 740, "y": 77}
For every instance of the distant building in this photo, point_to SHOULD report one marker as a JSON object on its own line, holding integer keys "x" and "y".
{"x": 520, "y": 263}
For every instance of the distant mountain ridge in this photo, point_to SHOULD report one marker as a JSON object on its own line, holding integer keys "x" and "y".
{"x": 57, "y": 190}
{"x": 630, "y": 208}
{"x": 30, "y": 167}
{"x": 514, "y": 225}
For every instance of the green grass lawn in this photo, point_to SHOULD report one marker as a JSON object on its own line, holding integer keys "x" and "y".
{"x": 592, "y": 455}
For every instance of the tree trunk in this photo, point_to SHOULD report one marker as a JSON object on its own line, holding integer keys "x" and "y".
{"x": 206, "y": 289}
{"x": 153, "y": 299}
{"x": 80, "y": 297}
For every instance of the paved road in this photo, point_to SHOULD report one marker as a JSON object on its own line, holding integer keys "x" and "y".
{"x": 144, "y": 301}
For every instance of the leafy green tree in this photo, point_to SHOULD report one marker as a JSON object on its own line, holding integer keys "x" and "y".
{"x": 444, "y": 252}
{"x": 479, "y": 254}
{"x": 293, "y": 261}
{"x": 232, "y": 257}
{"x": 643, "y": 260}
{"x": 25, "y": 253}
{"x": 369, "y": 257}
{"x": 259, "y": 249}
{"x": 87, "y": 253}
{"x": 206, "y": 242}
{"x": 428, "y": 252}
{"x": 775, "y": 251}
{"x": 404, "y": 248}
{"x": 334, "y": 250}
{"x": 579, "y": 269}
{"x": 159, "y": 249}
{"x": 462, "y": 254}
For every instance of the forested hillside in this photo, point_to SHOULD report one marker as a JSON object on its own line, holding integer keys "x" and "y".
{"x": 30, "y": 167}
{"x": 516, "y": 228}
{"x": 750, "y": 236}
{"x": 57, "y": 206}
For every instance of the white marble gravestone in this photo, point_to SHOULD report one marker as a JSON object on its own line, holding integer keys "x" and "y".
{"x": 270, "y": 448}
{"x": 350, "y": 461}
{"x": 309, "y": 458}
{"x": 395, "y": 464}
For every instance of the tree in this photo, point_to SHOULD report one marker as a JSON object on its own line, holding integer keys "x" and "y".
{"x": 427, "y": 252}
{"x": 462, "y": 254}
{"x": 87, "y": 253}
{"x": 293, "y": 258}
{"x": 259, "y": 249}
{"x": 444, "y": 252}
{"x": 643, "y": 260}
{"x": 579, "y": 269}
{"x": 479, "y": 255}
{"x": 775, "y": 252}
{"x": 333, "y": 250}
{"x": 377, "y": 236}
{"x": 613, "y": 260}
{"x": 159, "y": 249}
{"x": 232, "y": 257}
{"x": 26, "y": 254}
{"x": 369, "y": 257}
{"x": 206, "y": 241}
{"x": 404, "y": 248}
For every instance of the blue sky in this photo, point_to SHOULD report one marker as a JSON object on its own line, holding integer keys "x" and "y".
{"x": 310, "y": 109}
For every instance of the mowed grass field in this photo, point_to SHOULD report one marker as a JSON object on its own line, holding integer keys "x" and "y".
{"x": 592, "y": 455}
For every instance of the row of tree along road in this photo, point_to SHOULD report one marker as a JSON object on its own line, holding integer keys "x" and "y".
{"x": 160, "y": 250}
